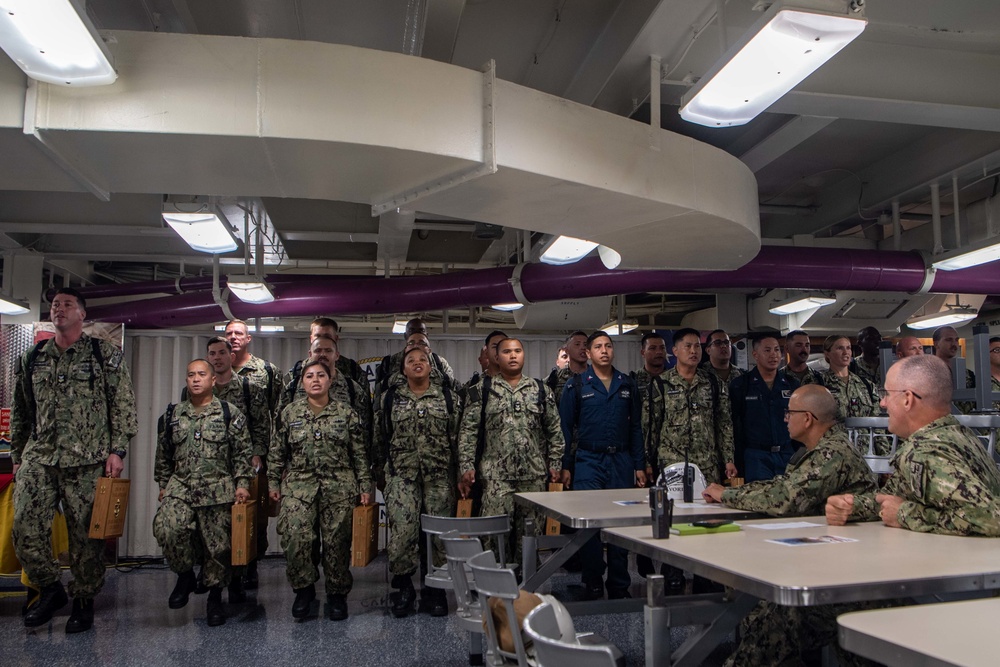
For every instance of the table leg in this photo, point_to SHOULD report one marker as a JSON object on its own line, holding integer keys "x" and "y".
{"x": 555, "y": 561}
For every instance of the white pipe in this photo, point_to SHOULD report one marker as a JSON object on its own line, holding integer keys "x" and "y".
{"x": 936, "y": 217}
{"x": 654, "y": 102}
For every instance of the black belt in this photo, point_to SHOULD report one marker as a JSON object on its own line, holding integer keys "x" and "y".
{"x": 778, "y": 449}
{"x": 601, "y": 450}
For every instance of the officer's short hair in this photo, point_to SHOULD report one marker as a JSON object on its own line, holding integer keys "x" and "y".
{"x": 325, "y": 337}
{"x": 713, "y": 332}
{"x": 218, "y": 339}
{"x": 646, "y": 337}
{"x": 574, "y": 335}
{"x": 686, "y": 331}
{"x": 995, "y": 339}
{"x": 594, "y": 336}
{"x": 492, "y": 334}
{"x": 939, "y": 333}
{"x": 316, "y": 362}
{"x": 792, "y": 334}
{"x": 69, "y": 291}
{"x": 237, "y": 321}
{"x": 199, "y": 360}
{"x": 928, "y": 376}
{"x": 757, "y": 337}
{"x": 507, "y": 338}
{"x": 325, "y": 322}
{"x": 417, "y": 348}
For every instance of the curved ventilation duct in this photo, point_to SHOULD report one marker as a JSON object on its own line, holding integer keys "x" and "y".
{"x": 775, "y": 266}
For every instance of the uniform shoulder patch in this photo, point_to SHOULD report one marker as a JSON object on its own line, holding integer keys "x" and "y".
{"x": 239, "y": 421}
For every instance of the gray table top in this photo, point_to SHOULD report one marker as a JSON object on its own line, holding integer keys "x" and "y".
{"x": 598, "y": 509}
{"x": 931, "y": 635}
{"x": 882, "y": 563}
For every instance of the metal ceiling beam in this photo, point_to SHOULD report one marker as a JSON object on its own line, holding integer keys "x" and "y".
{"x": 69, "y": 228}
{"x": 331, "y": 237}
{"x": 394, "y": 230}
{"x": 441, "y": 29}
{"x": 787, "y": 137}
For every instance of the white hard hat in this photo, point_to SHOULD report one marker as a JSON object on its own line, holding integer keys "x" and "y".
{"x": 672, "y": 478}
{"x": 565, "y": 622}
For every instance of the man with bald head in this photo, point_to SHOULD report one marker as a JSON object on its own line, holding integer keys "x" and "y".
{"x": 828, "y": 464}
{"x": 944, "y": 480}
{"x": 909, "y": 346}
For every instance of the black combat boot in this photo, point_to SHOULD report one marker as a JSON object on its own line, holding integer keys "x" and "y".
{"x": 404, "y": 597}
{"x": 250, "y": 579}
{"x": 303, "y": 601}
{"x": 236, "y": 593}
{"x": 213, "y": 612}
{"x": 186, "y": 583}
{"x": 200, "y": 587}
{"x": 51, "y": 599}
{"x": 82, "y": 618}
{"x": 336, "y": 607}
{"x": 433, "y": 601}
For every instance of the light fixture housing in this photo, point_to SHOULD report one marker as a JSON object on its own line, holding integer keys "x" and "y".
{"x": 951, "y": 316}
{"x": 562, "y": 250}
{"x": 983, "y": 252}
{"x": 611, "y": 328}
{"x": 55, "y": 42}
{"x": 250, "y": 289}
{"x": 507, "y": 307}
{"x": 399, "y": 326}
{"x": 11, "y": 306}
{"x": 801, "y": 302}
{"x": 781, "y": 49}
{"x": 204, "y": 230}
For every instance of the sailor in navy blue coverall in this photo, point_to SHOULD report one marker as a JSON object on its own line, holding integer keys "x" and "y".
{"x": 603, "y": 406}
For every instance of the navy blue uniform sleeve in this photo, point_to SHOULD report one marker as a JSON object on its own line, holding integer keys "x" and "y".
{"x": 567, "y": 417}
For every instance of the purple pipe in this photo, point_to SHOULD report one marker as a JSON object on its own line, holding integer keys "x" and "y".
{"x": 192, "y": 284}
{"x": 774, "y": 267}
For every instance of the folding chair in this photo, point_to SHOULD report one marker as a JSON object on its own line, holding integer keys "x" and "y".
{"x": 986, "y": 427}
{"x": 492, "y": 581}
{"x": 469, "y": 611}
{"x": 864, "y": 432}
{"x": 551, "y": 650}
{"x": 481, "y": 526}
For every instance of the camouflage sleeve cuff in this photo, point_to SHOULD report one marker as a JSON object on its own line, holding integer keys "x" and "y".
{"x": 243, "y": 483}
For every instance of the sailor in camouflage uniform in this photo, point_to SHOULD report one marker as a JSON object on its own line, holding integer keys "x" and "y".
{"x": 869, "y": 364}
{"x": 522, "y": 441}
{"x": 694, "y": 413}
{"x": 798, "y": 348}
{"x": 203, "y": 463}
{"x": 995, "y": 368}
{"x": 417, "y": 435}
{"x": 856, "y": 397}
{"x": 73, "y": 415}
{"x": 320, "y": 452}
{"x": 388, "y": 372}
{"x": 826, "y": 465}
{"x": 720, "y": 354}
{"x": 944, "y": 480}
{"x": 268, "y": 377}
{"x": 654, "y": 358}
{"x": 576, "y": 349}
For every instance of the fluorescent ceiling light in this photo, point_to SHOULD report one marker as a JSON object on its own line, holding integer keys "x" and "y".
{"x": 963, "y": 258}
{"x": 566, "y": 250}
{"x": 399, "y": 326}
{"x": 12, "y": 306}
{"x": 54, "y": 41}
{"x": 611, "y": 328}
{"x": 250, "y": 289}
{"x": 797, "y": 304}
{"x": 204, "y": 231}
{"x": 609, "y": 256}
{"x": 952, "y": 316}
{"x": 507, "y": 307}
{"x": 784, "y": 47}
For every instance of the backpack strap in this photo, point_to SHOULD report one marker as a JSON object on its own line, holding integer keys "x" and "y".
{"x": 29, "y": 387}
{"x": 165, "y": 425}
{"x": 481, "y": 434}
{"x": 387, "y": 428}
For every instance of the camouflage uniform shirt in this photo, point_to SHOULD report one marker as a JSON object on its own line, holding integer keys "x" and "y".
{"x": 257, "y": 413}
{"x": 734, "y": 373}
{"x": 807, "y": 376}
{"x": 812, "y": 476}
{"x": 424, "y": 436}
{"x": 856, "y": 397}
{"x": 342, "y": 393}
{"x": 524, "y": 439}
{"x": 694, "y": 415}
{"x": 872, "y": 373}
{"x": 75, "y": 412}
{"x": 267, "y": 376}
{"x": 947, "y": 481}
{"x": 198, "y": 458}
{"x": 644, "y": 380}
{"x": 317, "y": 450}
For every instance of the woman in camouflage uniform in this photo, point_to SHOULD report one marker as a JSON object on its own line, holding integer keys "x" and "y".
{"x": 855, "y": 396}
{"x": 321, "y": 447}
{"x": 417, "y": 448}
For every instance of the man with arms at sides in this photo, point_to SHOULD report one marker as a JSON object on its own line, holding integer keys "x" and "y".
{"x": 720, "y": 354}
{"x": 908, "y": 346}
{"x": 758, "y": 399}
{"x": 203, "y": 454}
{"x": 868, "y": 365}
{"x": 603, "y": 408}
{"x": 798, "y": 347}
{"x": 828, "y": 464}
{"x": 510, "y": 439}
{"x": 576, "y": 349}
{"x": 349, "y": 367}
{"x": 72, "y": 418}
{"x": 944, "y": 480}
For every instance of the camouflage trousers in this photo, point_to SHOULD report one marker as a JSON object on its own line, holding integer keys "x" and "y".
{"x": 405, "y": 500}
{"x": 38, "y": 490}
{"x": 778, "y": 635}
{"x": 297, "y": 525}
{"x": 196, "y": 535}
{"x": 498, "y": 498}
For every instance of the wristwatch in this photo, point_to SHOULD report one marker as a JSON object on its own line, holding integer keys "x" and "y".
{"x": 120, "y": 453}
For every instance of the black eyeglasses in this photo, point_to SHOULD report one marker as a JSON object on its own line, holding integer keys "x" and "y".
{"x": 995, "y": 350}
{"x": 718, "y": 342}
{"x": 805, "y": 412}
{"x": 884, "y": 393}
